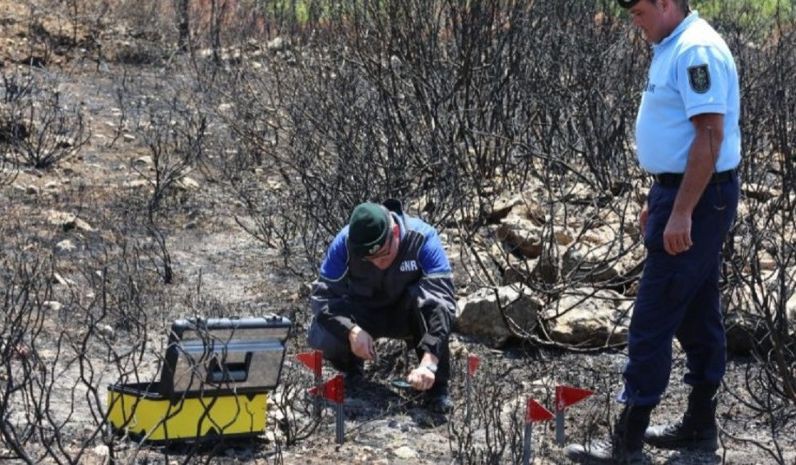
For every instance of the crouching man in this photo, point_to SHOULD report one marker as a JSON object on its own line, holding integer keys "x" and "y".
{"x": 386, "y": 275}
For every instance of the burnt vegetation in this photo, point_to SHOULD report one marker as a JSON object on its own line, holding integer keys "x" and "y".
{"x": 290, "y": 113}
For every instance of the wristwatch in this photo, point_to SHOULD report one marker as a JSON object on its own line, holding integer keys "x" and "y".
{"x": 432, "y": 367}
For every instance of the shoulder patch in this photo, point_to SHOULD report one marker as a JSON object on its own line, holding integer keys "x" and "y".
{"x": 699, "y": 78}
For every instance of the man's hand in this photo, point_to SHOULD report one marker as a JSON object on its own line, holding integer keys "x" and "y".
{"x": 677, "y": 235}
{"x": 421, "y": 378}
{"x": 361, "y": 343}
{"x": 701, "y": 161}
{"x": 642, "y": 220}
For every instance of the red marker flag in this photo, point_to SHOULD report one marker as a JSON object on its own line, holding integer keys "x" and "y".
{"x": 332, "y": 390}
{"x": 472, "y": 364}
{"x": 536, "y": 412}
{"x": 313, "y": 360}
{"x": 567, "y": 395}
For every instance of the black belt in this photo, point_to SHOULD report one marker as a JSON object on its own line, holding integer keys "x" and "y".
{"x": 674, "y": 179}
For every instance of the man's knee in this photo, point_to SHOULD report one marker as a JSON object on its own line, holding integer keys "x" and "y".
{"x": 321, "y": 339}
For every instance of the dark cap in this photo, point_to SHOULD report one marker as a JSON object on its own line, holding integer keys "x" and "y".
{"x": 367, "y": 229}
{"x": 627, "y": 3}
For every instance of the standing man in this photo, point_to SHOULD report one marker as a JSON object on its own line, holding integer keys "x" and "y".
{"x": 688, "y": 138}
{"x": 386, "y": 275}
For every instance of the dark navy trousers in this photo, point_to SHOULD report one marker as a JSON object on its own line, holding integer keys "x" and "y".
{"x": 405, "y": 321}
{"x": 678, "y": 297}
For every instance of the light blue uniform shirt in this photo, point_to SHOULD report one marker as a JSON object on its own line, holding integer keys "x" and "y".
{"x": 692, "y": 72}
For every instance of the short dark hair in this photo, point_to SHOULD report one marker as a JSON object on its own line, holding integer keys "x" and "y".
{"x": 683, "y": 4}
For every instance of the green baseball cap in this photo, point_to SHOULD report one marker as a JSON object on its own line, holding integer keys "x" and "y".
{"x": 367, "y": 229}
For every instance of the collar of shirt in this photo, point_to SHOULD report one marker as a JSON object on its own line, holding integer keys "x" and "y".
{"x": 687, "y": 21}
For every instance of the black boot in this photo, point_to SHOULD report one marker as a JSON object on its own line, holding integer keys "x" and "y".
{"x": 625, "y": 444}
{"x": 697, "y": 429}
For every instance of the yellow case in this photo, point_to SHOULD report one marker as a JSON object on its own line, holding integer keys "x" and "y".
{"x": 143, "y": 413}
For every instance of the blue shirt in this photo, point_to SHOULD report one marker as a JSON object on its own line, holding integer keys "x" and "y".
{"x": 692, "y": 72}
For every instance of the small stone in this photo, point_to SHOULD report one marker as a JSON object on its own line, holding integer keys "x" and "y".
{"x": 395, "y": 63}
{"x": 106, "y": 331}
{"x": 32, "y": 190}
{"x": 144, "y": 161}
{"x": 65, "y": 246}
{"x": 53, "y": 305}
{"x": 137, "y": 184}
{"x": 64, "y": 142}
{"x": 102, "y": 450}
{"x": 83, "y": 226}
{"x": 277, "y": 44}
{"x": 188, "y": 184}
{"x": 405, "y": 453}
{"x": 128, "y": 137}
{"x": 58, "y": 279}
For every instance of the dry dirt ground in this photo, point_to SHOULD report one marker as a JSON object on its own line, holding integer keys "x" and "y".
{"x": 237, "y": 274}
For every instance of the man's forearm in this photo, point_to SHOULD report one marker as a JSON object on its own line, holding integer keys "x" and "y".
{"x": 429, "y": 359}
{"x": 701, "y": 162}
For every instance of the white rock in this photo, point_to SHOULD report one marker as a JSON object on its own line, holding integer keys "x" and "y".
{"x": 83, "y": 226}
{"x": 277, "y": 44}
{"x": 65, "y": 246}
{"x": 106, "y": 331}
{"x": 60, "y": 280}
{"x": 53, "y": 305}
{"x": 102, "y": 450}
{"x": 521, "y": 234}
{"x": 188, "y": 184}
{"x": 479, "y": 314}
{"x": 67, "y": 221}
{"x": 405, "y": 453}
{"x": 137, "y": 184}
{"x": 589, "y": 318}
{"x": 395, "y": 62}
{"x": 144, "y": 161}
